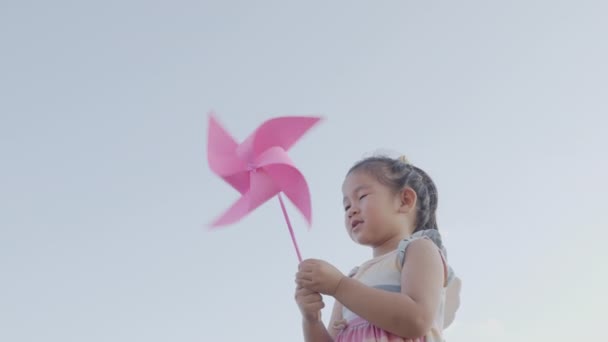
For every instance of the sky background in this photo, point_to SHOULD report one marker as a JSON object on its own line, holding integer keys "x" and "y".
{"x": 105, "y": 191}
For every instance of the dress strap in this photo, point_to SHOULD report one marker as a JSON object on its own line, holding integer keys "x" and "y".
{"x": 433, "y": 235}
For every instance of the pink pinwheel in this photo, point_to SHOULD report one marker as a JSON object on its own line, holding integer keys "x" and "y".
{"x": 259, "y": 168}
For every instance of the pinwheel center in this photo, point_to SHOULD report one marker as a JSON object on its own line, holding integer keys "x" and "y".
{"x": 252, "y": 167}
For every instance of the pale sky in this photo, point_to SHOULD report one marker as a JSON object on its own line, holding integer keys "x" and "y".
{"x": 105, "y": 191}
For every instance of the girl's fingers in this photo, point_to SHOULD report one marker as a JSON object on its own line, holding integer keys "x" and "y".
{"x": 318, "y": 304}
{"x": 316, "y": 297}
{"x": 308, "y": 296}
{"x": 304, "y": 275}
{"x": 304, "y": 280}
{"x": 303, "y": 291}
{"x": 308, "y": 285}
{"x": 311, "y": 296}
{"x": 305, "y": 265}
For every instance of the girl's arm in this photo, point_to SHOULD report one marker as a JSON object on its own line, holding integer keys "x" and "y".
{"x": 316, "y": 332}
{"x": 411, "y": 312}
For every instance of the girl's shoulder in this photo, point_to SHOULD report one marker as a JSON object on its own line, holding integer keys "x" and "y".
{"x": 430, "y": 234}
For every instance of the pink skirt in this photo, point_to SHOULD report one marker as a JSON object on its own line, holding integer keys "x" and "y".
{"x": 360, "y": 330}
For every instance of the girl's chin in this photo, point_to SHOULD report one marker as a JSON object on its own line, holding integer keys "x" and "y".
{"x": 362, "y": 240}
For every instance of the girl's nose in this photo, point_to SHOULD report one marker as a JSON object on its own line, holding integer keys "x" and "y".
{"x": 352, "y": 211}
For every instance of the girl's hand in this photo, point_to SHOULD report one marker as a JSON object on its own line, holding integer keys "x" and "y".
{"x": 319, "y": 276}
{"x": 310, "y": 304}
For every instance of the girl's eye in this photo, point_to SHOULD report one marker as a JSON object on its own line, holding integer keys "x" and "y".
{"x": 347, "y": 207}
{"x": 362, "y": 197}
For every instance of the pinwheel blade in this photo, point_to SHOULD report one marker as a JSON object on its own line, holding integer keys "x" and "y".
{"x": 222, "y": 157}
{"x": 262, "y": 189}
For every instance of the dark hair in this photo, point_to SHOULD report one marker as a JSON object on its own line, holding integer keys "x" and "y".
{"x": 398, "y": 174}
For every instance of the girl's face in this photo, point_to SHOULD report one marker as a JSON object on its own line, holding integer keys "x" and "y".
{"x": 371, "y": 210}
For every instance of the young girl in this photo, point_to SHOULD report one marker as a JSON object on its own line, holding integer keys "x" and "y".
{"x": 400, "y": 294}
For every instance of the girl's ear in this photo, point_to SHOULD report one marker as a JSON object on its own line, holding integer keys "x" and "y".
{"x": 408, "y": 200}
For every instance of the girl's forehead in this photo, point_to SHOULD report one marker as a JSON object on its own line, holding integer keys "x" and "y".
{"x": 356, "y": 180}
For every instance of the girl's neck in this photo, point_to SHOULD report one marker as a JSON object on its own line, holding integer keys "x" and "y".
{"x": 388, "y": 245}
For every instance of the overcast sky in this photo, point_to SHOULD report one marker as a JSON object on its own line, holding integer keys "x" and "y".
{"x": 105, "y": 190}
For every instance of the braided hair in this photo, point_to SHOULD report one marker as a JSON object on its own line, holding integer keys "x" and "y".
{"x": 398, "y": 174}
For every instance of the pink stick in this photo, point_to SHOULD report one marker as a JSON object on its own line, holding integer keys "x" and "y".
{"x": 293, "y": 237}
